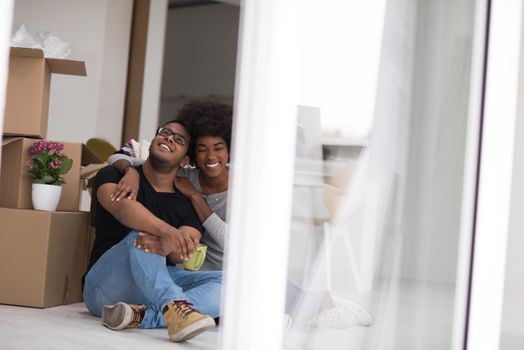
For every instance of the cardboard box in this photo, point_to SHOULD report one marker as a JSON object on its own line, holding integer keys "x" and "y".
{"x": 15, "y": 182}
{"x": 27, "y": 99}
{"x": 43, "y": 257}
{"x": 88, "y": 173}
{"x": 87, "y": 176}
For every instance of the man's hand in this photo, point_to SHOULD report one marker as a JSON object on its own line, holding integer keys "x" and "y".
{"x": 128, "y": 185}
{"x": 192, "y": 235}
{"x": 179, "y": 244}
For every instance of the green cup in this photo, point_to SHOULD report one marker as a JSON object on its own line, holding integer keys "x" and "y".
{"x": 195, "y": 262}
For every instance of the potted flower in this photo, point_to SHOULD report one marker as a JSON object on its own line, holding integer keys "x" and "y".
{"x": 47, "y": 167}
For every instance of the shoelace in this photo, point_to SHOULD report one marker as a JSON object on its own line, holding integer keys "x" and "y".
{"x": 183, "y": 308}
{"x": 138, "y": 315}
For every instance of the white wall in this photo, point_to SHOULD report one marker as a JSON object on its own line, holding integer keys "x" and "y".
{"x": 99, "y": 31}
{"x": 200, "y": 54}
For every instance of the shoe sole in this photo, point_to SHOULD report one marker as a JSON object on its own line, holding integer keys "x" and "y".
{"x": 192, "y": 330}
{"x": 116, "y": 317}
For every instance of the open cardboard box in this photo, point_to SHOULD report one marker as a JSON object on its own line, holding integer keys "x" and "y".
{"x": 87, "y": 176}
{"x": 43, "y": 257}
{"x": 15, "y": 182}
{"x": 88, "y": 173}
{"x": 27, "y": 100}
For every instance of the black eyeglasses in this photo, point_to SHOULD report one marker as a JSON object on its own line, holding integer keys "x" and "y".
{"x": 166, "y": 132}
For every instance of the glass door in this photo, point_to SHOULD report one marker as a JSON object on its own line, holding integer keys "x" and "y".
{"x": 357, "y": 179}
{"x": 376, "y": 235}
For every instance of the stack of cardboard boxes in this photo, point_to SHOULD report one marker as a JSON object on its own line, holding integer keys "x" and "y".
{"x": 43, "y": 255}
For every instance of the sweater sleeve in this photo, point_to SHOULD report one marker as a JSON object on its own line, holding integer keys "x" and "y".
{"x": 117, "y": 156}
{"x": 216, "y": 229}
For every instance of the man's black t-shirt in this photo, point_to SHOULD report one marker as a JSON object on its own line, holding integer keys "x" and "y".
{"x": 174, "y": 208}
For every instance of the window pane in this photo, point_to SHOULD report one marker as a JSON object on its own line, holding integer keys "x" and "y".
{"x": 381, "y": 142}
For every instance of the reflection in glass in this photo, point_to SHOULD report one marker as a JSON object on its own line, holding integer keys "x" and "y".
{"x": 376, "y": 212}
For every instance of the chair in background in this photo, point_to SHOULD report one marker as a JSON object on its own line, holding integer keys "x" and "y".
{"x": 102, "y": 148}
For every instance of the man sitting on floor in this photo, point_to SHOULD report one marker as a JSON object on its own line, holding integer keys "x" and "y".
{"x": 132, "y": 287}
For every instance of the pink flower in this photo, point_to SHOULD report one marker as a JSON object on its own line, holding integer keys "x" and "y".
{"x": 54, "y": 162}
{"x": 40, "y": 146}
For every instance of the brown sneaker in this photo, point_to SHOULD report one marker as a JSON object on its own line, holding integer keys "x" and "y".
{"x": 185, "y": 323}
{"x": 122, "y": 315}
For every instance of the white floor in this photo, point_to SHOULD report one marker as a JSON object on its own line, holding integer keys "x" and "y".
{"x": 418, "y": 317}
{"x": 72, "y": 327}
{"x": 417, "y": 320}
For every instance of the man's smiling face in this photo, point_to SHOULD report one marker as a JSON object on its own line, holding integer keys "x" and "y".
{"x": 170, "y": 144}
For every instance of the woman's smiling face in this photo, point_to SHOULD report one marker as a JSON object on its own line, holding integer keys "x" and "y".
{"x": 211, "y": 155}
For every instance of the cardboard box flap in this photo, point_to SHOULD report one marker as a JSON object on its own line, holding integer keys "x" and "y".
{"x": 89, "y": 157}
{"x": 8, "y": 140}
{"x": 26, "y": 52}
{"x": 57, "y": 65}
{"x": 89, "y": 171}
{"x": 69, "y": 67}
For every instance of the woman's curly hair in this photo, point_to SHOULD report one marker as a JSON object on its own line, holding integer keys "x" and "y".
{"x": 206, "y": 118}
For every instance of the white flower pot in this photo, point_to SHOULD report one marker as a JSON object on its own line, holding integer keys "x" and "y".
{"x": 46, "y": 197}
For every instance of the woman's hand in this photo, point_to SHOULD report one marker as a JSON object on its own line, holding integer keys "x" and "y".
{"x": 185, "y": 186}
{"x": 128, "y": 185}
{"x": 153, "y": 244}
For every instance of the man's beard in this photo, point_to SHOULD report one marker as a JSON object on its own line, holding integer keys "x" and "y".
{"x": 161, "y": 165}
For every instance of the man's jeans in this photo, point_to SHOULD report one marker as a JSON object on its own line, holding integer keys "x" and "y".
{"x": 127, "y": 274}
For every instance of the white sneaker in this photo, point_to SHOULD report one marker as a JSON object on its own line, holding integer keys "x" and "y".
{"x": 345, "y": 314}
{"x": 362, "y": 313}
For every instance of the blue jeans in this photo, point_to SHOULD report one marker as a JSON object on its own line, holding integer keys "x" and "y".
{"x": 127, "y": 274}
